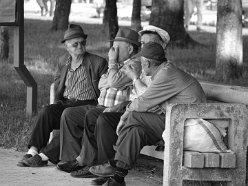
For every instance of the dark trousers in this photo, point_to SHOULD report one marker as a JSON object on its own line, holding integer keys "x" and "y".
{"x": 106, "y": 136}
{"x": 71, "y": 131}
{"x": 88, "y": 154}
{"x": 140, "y": 129}
{"x": 48, "y": 120}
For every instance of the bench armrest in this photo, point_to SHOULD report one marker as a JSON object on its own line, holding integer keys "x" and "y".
{"x": 52, "y": 93}
{"x": 176, "y": 114}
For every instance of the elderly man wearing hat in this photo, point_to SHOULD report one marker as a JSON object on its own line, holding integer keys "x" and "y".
{"x": 144, "y": 120}
{"x": 76, "y": 83}
{"x": 115, "y": 88}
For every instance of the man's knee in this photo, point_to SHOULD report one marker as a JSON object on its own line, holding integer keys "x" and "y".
{"x": 47, "y": 110}
{"x": 102, "y": 121}
{"x": 133, "y": 117}
{"x": 67, "y": 113}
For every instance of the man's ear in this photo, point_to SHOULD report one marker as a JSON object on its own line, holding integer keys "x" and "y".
{"x": 148, "y": 63}
{"x": 130, "y": 49}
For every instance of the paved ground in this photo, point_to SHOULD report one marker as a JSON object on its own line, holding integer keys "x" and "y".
{"x": 11, "y": 175}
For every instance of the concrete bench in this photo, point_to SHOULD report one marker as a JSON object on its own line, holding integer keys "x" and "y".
{"x": 180, "y": 165}
{"x": 229, "y": 109}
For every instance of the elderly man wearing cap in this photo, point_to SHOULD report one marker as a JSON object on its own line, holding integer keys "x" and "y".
{"x": 144, "y": 120}
{"x": 76, "y": 83}
{"x": 115, "y": 88}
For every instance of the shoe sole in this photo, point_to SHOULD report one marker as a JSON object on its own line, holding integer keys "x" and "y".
{"x": 85, "y": 176}
{"x": 99, "y": 181}
{"x": 106, "y": 175}
{"x": 28, "y": 165}
{"x": 21, "y": 164}
{"x": 75, "y": 169}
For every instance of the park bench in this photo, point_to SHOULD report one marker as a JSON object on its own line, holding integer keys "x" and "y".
{"x": 226, "y": 106}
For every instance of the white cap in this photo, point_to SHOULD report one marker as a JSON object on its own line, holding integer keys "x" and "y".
{"x": 162, "y": 33}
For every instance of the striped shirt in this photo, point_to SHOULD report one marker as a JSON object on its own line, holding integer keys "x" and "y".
{"x": 76, "y": 83}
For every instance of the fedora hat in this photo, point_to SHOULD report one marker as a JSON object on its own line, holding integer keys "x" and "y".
{"x": 128, "y": 35}
{"x": 73, "y": 31}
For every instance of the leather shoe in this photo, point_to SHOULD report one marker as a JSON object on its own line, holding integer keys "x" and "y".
{"x": 69, "y": 166}
{"x": 24, "y": 158}
{"x": 112, "y": 182}
{"x": 35, "y": 161}
{"x": 99, "y": 181}
{"x": 83, "y": 173}
{"x": 104, "y": 170}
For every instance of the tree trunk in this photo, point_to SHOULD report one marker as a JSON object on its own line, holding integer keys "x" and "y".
{"x": 61, "y": 15}
{"x": 168, "y": 15}
{"x": 4, "y": 43}
{"x": 51, "y": 9}
{"x": 229, "y": 45}
{"x": 110, "y": 19}
{"x": 136, "y": 20}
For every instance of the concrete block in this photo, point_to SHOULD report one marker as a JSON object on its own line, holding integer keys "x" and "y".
{"x": 193, "y": 159}
{"x": 211, "y": 160}
{"x": 227, "y": 160}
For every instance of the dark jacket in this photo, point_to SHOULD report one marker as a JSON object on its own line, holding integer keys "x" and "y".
{"x": 95, "y": 67}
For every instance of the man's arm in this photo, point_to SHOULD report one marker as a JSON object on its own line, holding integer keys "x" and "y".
{"x": 116, "y": 76}
{"x": 161, "y": 89}
{"x": 103, "y": 67}
{"x": 61, "y": 61}
{"x": 140, "y": 81}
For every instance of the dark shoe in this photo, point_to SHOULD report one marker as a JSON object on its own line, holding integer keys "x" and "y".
{"x": 24, "y": 158}
{"x": 69, "y": 166}
{"x": 83, "y": 173}
{"x": 112, "y": 182}
{"x": 35, "y": 161}
{"x": 104, "y": 170}
{"x": 99, "y": 181}
{"x": 199, "y": 29}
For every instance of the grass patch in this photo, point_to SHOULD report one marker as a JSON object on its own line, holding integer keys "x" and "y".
{"x": 43, "y": 46}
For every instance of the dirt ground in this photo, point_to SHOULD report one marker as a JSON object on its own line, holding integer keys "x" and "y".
{"x": 144, "y": 174}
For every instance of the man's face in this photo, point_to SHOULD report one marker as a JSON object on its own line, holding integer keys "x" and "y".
{"x": 150, "y": 37}
{"x": 76, "y": 46}
{"x": 124, "y": 50}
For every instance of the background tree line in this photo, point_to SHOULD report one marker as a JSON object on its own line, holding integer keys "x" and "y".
{"x": 168, "y": 15}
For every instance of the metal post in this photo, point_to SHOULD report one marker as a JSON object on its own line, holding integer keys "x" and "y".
{"x": 19, "y": 61}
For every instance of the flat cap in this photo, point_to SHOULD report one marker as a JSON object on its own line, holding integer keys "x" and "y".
{"x": 162, "y": 33}
{"x": 154, "y": 51}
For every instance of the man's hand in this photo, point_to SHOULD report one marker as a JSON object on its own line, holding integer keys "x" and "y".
{"x": 132, "y": 72}
{"x": 119, "y": 127}
{"x": 107, "y": 110}
{"x": 122, "y": 122}
{"x": 113, "y": 54}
